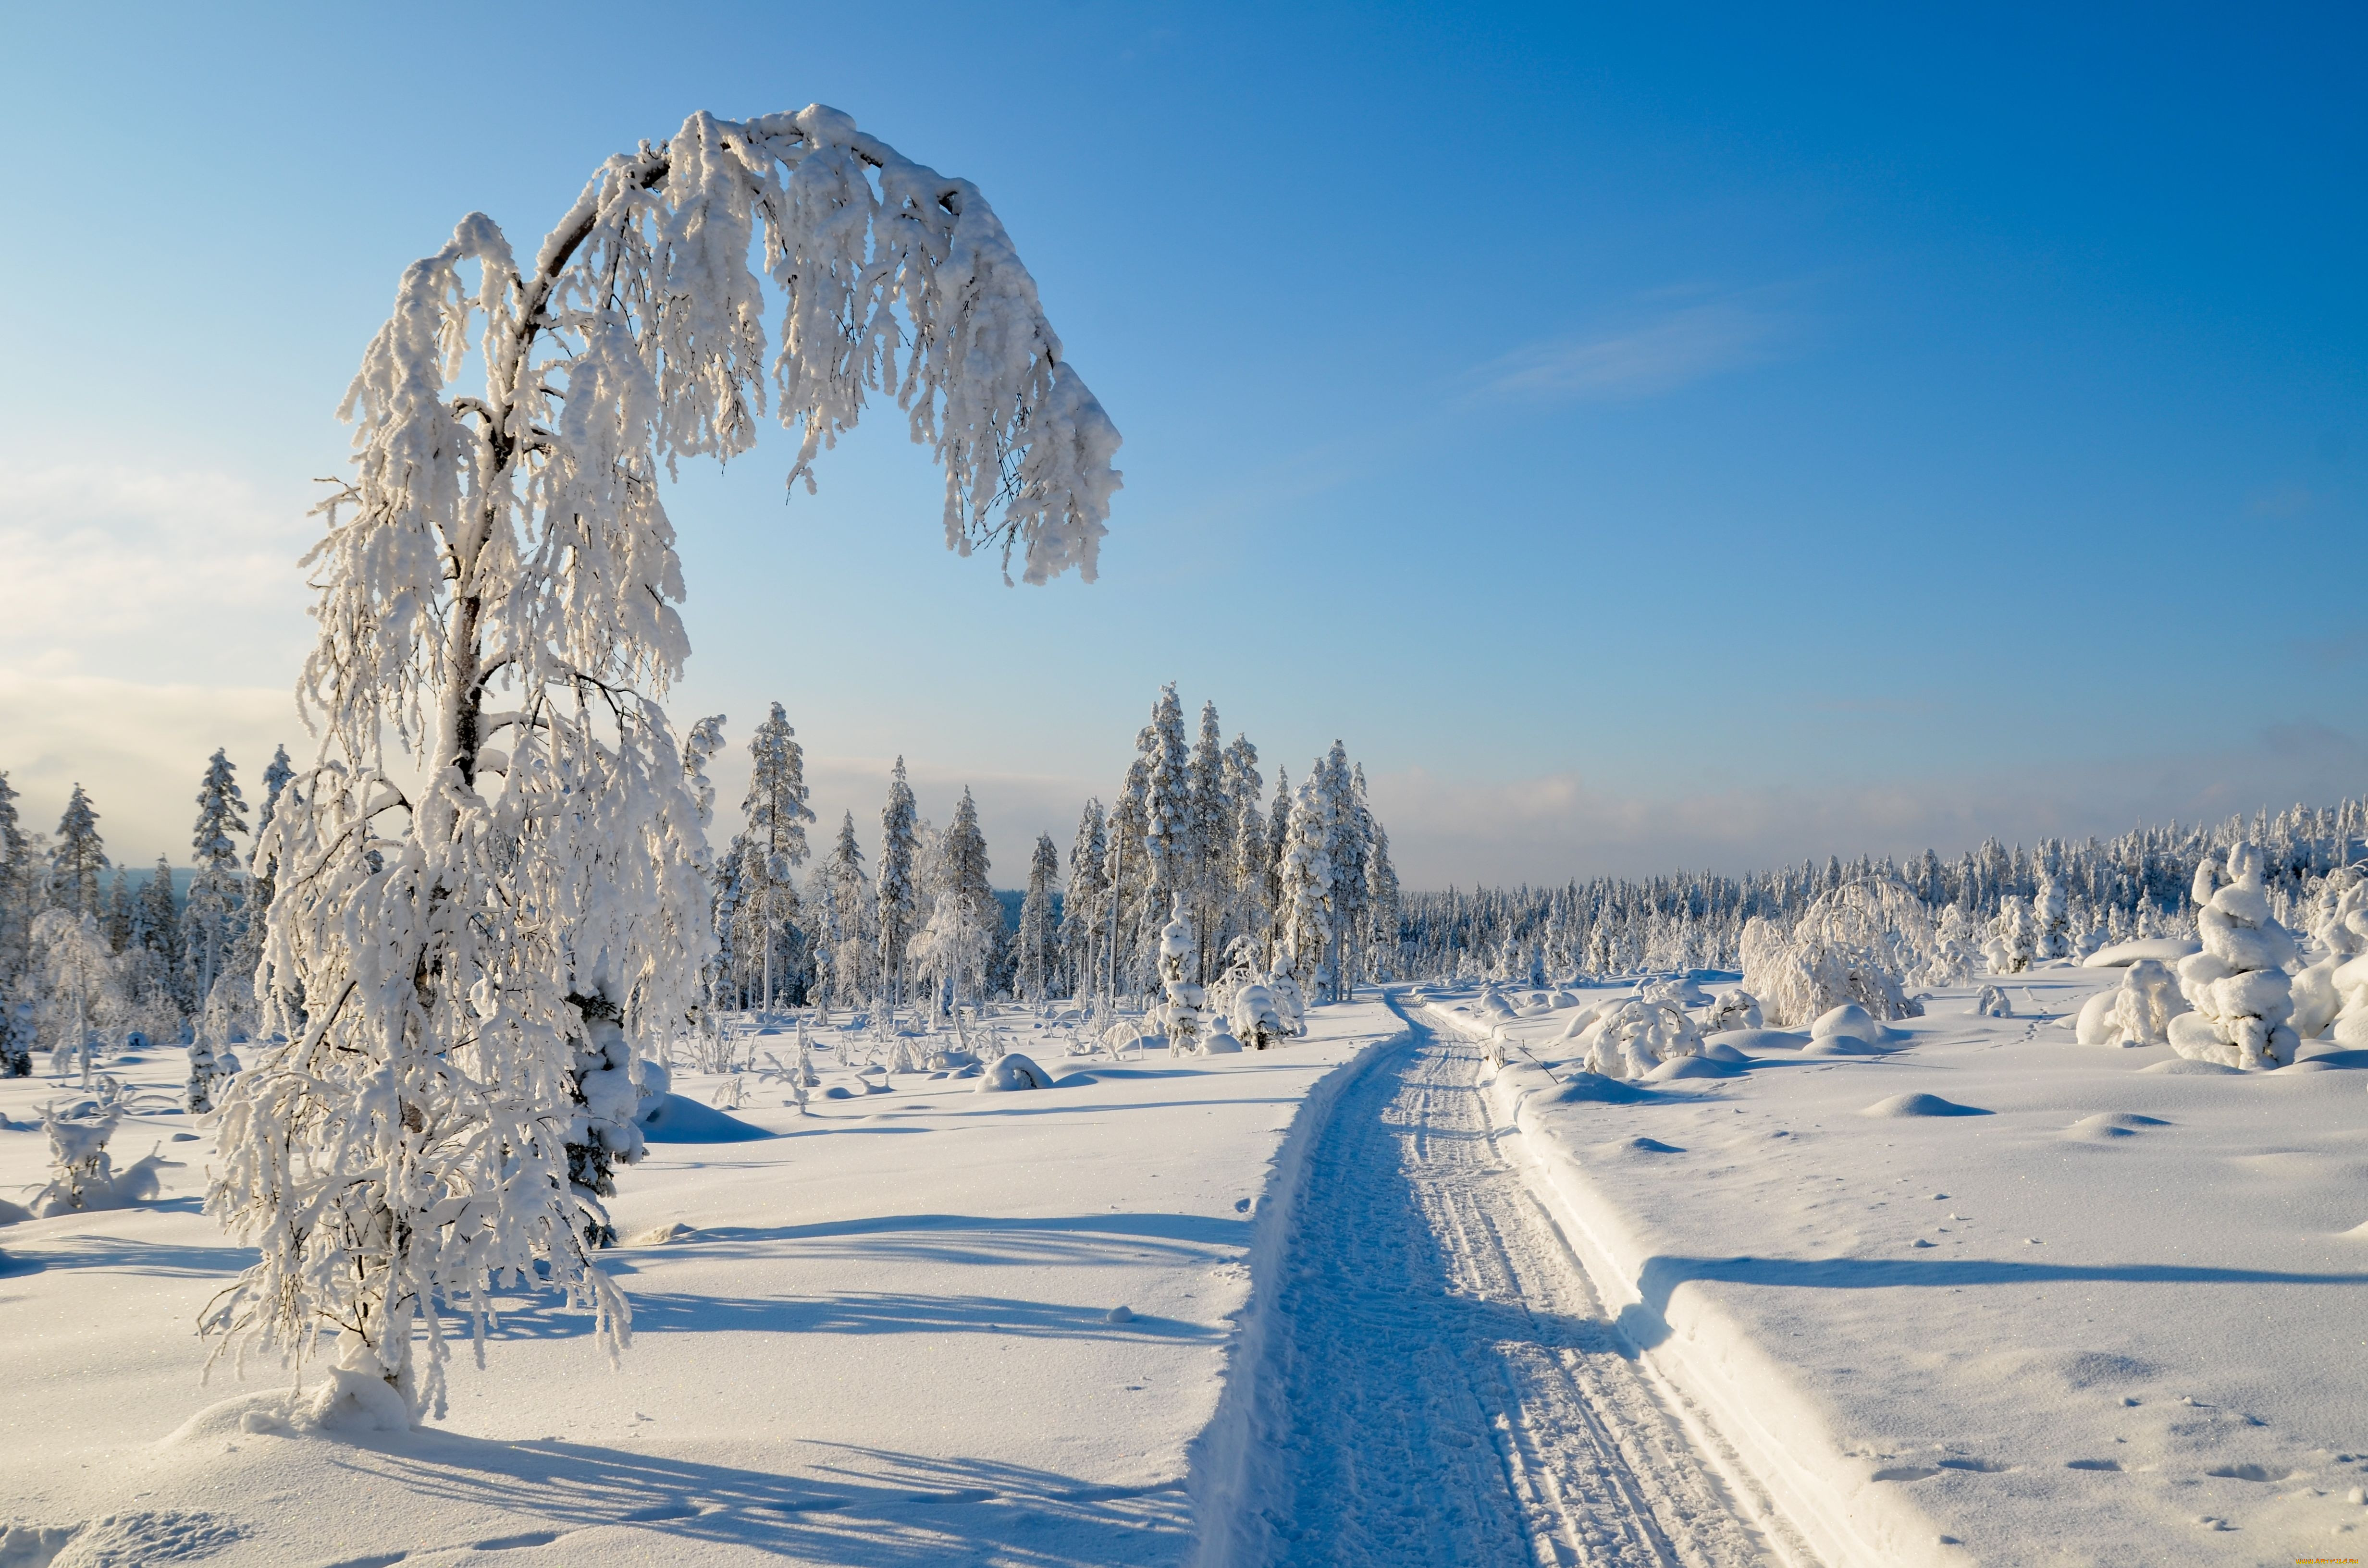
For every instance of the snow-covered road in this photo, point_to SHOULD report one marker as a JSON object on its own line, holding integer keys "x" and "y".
{"x": 1440, "y": 1384}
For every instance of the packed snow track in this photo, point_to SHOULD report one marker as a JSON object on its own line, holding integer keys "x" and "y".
{"x": 1440, "y": 1384}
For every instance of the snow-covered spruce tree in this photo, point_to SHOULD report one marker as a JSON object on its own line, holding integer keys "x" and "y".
{"x": 773, "y": 846}
{"x": 1382, "y": 906}
{"x": 965, "y": 922}
{"x": 2051, "y": 922}
{"x": 20, "y": 882}
{"x": 208, "y": 919}
{"x": 1303, "y": 912}
{"x": 261, "y": 876}
{"x": 1084, "y": 914}
{"x": 898, "y": 897}
{"x": 843, "y": 890}
{"x": 1208, "y": 838}
{"x": 497, "y": 588}
{"x": 1128, "y": 873}
{"x": 78, "y": 858}
{"x": 1168, "y": 840}
{"x": 1038, "y": 939}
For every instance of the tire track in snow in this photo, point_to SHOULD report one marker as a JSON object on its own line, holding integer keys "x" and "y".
{"x": 1440, "y": 1385}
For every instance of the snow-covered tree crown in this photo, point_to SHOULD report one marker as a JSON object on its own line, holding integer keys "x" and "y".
{"x": 636, "y": 336}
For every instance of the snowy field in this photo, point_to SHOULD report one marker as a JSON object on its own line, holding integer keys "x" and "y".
{"x": 2111, "y": 1307}
{"x": 884, "y": 1332}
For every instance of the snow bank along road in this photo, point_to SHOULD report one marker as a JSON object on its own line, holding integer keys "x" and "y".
{"x": 881, "y": 1334}
{"x": 1431, "y": 1380}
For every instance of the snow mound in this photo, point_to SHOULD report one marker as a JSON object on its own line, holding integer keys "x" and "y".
{"x": 1851, "y": 1021}
{"x": 671, "y": 1119}
{"x": 1719, "y": 1051}
{"x": 1653, "y": 1146}
{"x": 116, "y": 1540}
{"x": 1841, "y": 1045}
{"x": 1693, "y": 1067}
{"x": 2182, "y": 1066}
{"x": 1901, "y": 1105}
{"x": 2162, "y": 950}
{"x": 2114, "y": 1124}
{"x": 1584, "y": 1088}
{"x": 1758, "y": 1040}
{"x": 1120, "y": 1314}
{"x": 1013, "y": 1072}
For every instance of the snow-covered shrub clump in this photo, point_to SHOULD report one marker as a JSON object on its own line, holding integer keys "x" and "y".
{"x": 1856, "y": 943}
{"x": 2237, "y": 985}
{"x": 84, "y": 1177}
{"x": 1010, "y": 1072}
{"x": 1991, "y": 1003}
{"x": 1638, "y": 1035}
{"x": 2137, "y": 1012}
{"x": 1732, "y": 1008}
{"x": 2339, "y": 933}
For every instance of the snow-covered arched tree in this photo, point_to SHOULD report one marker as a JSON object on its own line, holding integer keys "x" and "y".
{"x": 498, "y": 588}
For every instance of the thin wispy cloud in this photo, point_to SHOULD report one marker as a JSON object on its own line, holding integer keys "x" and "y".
{"x": 119, "y": 568}
{"x": 1653, "y": 352}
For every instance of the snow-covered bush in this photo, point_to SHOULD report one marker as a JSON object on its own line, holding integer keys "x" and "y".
{"x": 203, "y": 1070}
{"x": 1957, "y": 948}
{"x": 1991, "y": 1003}
{"x": 2238, "y": 986}
{"x": 1856, "y": 943}
{"x": 2009, "y": 944}
{"x": 83, "y": 1175}
{"x": 1638, "y": 1035}
{"x": 2137, "y": 1012}
{"x": 2051, "y": 922}
{"x": 1732, "y": 1008}
{"x": 2339, "y": 933}
{"x": 497, "y": 591}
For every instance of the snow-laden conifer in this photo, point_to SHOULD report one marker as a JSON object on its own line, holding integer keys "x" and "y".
{"x": 1208, "y": 837}
{"x": 1085, "y": 913}
{"x": 80, "y": 977}
{"x": 898, "y": 895}
{"x": 78, "y": 858}
{"x": 497, "y": 590}
{"x": 773, "y": 846}
{"x": 20, "y": 886}
{"x": 958, "y": 946}
{"x": 846, "y": 949}
{"x": 208, "y": 919}
{"x": 1038, "y": 940}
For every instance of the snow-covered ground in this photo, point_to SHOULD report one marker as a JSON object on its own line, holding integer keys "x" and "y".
{"x": 882, "y": 1335}
{"x": 2118, "y": 1316}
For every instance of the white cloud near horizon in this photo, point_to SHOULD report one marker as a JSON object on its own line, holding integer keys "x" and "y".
{"x": 112, "y": 570}
{"x": 140, "y": 749}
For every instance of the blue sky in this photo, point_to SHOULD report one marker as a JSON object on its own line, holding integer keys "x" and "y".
{"x": 1643, "y": 438}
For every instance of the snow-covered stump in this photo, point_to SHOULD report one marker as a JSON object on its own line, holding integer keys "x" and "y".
{"x": 2237, "y": 985}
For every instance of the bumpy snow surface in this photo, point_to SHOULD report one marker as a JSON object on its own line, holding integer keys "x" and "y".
{"x": 1438, "y": 1383}
{"x": 2114, "y": 1315}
